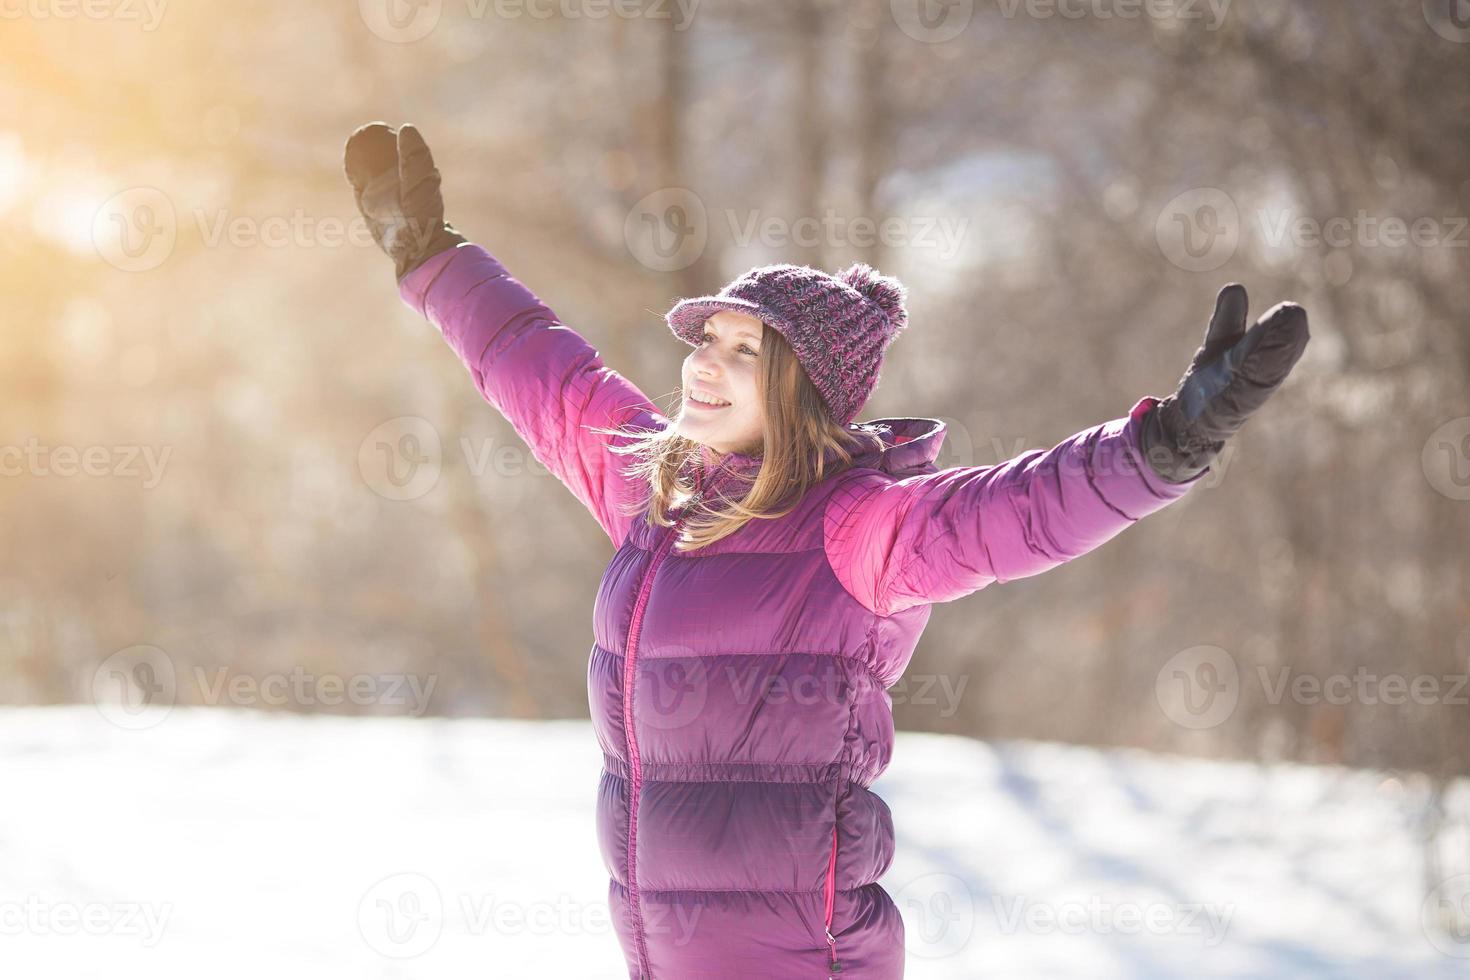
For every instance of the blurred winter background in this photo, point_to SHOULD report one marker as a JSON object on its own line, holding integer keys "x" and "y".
{"x": 293, "y": 629}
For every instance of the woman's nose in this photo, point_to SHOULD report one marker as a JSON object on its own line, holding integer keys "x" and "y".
{"x": 704, "y": 364}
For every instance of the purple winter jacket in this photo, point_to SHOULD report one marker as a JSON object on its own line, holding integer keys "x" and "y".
{"x": 734, "y": 812}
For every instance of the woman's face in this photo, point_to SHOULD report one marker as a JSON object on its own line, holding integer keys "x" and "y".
{"x": 726, "y": 368}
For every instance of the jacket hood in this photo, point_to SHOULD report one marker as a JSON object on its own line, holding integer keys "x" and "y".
{"x": 910, "y": 446}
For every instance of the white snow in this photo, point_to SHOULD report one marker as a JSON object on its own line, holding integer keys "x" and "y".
{"x": 238, "y": 844}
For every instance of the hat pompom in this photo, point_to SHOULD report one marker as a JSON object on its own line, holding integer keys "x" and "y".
{"x": 886, "y": 291}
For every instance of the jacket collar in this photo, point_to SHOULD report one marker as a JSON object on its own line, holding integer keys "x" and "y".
{"x": 910, "y": 446}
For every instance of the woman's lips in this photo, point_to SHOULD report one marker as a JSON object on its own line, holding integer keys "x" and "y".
{"x": 702, "y": 406}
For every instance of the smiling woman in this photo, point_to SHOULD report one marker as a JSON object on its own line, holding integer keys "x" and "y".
{"x": 722, "y": 387}
{"x": 763, "y": 534}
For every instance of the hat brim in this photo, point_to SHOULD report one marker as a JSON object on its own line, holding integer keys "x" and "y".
{"x": 687, "y": 317}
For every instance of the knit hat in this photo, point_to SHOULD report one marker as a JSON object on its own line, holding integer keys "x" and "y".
{"x": 838, "y": 326}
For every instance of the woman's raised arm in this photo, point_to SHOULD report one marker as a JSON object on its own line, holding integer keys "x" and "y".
{"x": 938, "y": 536}
{"x": 544, "y": 377}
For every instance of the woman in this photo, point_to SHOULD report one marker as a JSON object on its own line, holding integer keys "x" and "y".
{"x": 775, "y": 565}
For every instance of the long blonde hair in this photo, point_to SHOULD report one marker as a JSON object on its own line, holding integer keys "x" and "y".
{"x": 802, "y": 445}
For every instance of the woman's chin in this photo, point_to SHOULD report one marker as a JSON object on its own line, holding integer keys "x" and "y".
{"x": 694, "y": 428}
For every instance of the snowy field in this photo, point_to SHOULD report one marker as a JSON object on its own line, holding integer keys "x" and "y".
{"x": 234, "y": 844}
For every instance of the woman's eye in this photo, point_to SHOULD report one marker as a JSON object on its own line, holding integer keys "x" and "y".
{"x": 745, "y": 347}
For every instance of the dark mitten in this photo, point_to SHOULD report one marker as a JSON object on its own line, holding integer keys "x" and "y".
{"x": 1232, "y": 374}
{"x": 396, "y": 186}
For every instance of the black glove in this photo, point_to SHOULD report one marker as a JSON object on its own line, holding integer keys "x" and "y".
{"x": 396, "y": 186}
{"x": 1232, "y": 375}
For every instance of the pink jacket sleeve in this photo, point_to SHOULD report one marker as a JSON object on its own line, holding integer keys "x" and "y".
{"x": 896, "y": 543}
{"x": 544, "y": 377}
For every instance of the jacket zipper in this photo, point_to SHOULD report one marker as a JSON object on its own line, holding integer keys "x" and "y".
{"x": 834, "y": 967}
{"x": 635, "y": 625}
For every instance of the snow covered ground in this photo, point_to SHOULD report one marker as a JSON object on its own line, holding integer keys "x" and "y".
{"x": 235, "y": 844}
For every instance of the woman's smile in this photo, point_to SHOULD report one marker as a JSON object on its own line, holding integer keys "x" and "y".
{"x": 721, "y": 385}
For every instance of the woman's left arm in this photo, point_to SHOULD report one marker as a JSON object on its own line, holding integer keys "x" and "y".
{"x": 939, "y": 536}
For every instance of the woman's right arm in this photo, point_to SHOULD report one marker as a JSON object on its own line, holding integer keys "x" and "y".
{"x": 544, "y": 377}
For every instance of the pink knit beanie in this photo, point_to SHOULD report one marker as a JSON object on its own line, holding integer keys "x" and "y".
{"x": 839, "y": 326}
